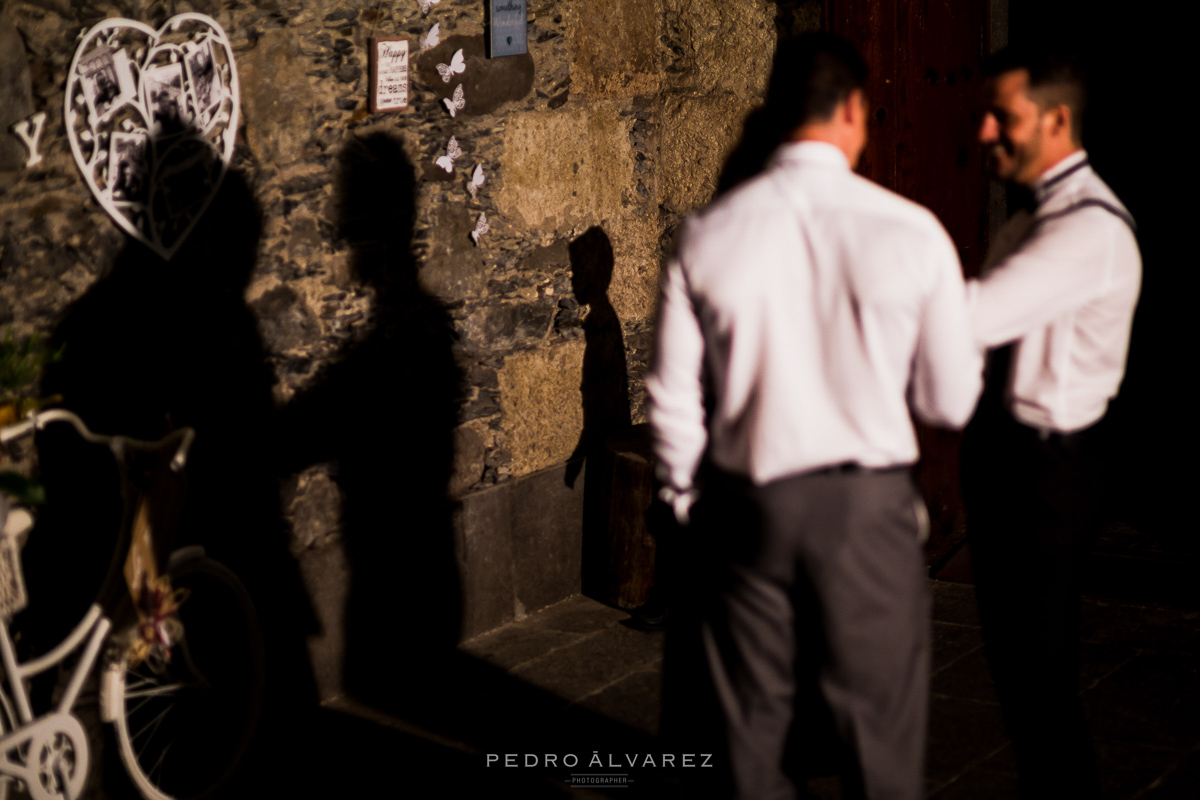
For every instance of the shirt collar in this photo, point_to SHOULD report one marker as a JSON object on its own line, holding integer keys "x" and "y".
{"x": 1054, "y": 176}
{"x": 810, "y": 151}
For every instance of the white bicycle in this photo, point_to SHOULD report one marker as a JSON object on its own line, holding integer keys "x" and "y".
{"x": 183, "y": 713}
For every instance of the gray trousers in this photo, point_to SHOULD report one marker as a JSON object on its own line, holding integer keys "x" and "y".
{"x": 836, "y": 555}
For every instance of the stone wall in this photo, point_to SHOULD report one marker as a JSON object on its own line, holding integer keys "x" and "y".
{"x": 595, "y": 144}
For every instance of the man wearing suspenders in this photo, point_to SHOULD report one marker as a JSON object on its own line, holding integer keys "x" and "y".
{"x": 1054, "y": 304}
{"x": 804, "y": 314}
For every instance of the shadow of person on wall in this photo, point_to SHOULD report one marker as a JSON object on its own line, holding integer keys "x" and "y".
{"x": 384, "y": 417}
{"x": 604, "y": 390}
{"x": 154, "y": 346}
{"x": 761, "y": 134}
{"x": 763, "y": 130}
{"x": 605, "y": 384}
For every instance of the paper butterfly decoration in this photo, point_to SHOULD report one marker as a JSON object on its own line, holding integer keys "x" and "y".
{"x": 476, "y": 181}
{"x": 151, "y": 117}
{"x": 22, "y": 129}
{"x": 456, "y": 65}
{"x": 453, "y": 151}
{"x": 454, "y": 105}
{"x": 427, "y": 4}
{"x": 432, "y": 38}
{"x": 481, "y": 227}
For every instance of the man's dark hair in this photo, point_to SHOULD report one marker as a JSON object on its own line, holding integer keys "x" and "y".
{"x": 1055, "y": 78}
{"x": 813, "y": 72}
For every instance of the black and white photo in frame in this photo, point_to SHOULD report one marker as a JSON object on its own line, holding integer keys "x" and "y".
{"x": 203, "y": 78}
{"x": 127, "y": 178}
{"x": 107, "y": 82}
{"x": 163, "y": 86}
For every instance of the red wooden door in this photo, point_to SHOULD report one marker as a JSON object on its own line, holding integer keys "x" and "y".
{"x": 924, "y": 58}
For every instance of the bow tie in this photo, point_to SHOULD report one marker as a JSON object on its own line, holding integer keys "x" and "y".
{"x": 1021, "y": 198}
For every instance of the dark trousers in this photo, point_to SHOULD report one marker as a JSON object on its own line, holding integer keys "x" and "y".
{"x": 834, "y": 555}
{"x": 1031, "y": 505}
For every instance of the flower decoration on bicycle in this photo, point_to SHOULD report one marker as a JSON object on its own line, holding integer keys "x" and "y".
{"x": 173, "y": 635}
{"x": 157, "y": 604}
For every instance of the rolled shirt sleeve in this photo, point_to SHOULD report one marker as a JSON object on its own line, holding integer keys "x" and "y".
{"x": 1062, "y": 266}
{"x": 1066, "y": 294}
{"x": 947, "y": 365}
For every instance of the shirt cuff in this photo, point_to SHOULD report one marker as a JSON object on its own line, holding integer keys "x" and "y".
{"x": 680, "y": 502}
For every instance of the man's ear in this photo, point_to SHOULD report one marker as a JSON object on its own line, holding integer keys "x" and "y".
{"x": 855, "y": 106}
{"x": 1060, "y": 120}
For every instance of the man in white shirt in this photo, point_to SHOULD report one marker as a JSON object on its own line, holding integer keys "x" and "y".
{"x": 1056, "y": 300}
{"x": 804, "y": 314}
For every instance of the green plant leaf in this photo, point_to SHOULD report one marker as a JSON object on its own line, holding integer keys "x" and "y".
{"x": 24, "y": 490}
{"x": 21, "y": 363}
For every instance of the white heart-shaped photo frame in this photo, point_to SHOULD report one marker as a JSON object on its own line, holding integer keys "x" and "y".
{"x": 152, "y": 117}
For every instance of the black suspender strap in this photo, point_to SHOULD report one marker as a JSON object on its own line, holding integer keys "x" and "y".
{"x": 1059, "y": 177}
{"x": 1087, "y": 202}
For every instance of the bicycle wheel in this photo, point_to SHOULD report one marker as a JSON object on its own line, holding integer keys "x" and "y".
{"x": 183, "y": 726}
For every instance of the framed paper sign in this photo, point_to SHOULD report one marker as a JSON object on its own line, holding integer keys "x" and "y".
{"x": 508, "y": 27}
{"x": 389, "y": 74}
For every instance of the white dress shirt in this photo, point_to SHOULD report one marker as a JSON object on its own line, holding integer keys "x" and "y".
{"x": 1062, "y": 282}
{"x": 805, "y": 307}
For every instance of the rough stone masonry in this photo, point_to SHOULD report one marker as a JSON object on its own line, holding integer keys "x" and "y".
{"x": 613, "y": 126}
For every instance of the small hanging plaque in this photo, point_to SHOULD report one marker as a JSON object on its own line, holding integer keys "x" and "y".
{"x": 389, "y": 74}
{"x": 507, "y": 27}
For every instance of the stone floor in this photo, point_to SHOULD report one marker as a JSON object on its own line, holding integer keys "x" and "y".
{"x": 572, "y": 680}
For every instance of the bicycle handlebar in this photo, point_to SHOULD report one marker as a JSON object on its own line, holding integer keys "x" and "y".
{"x": 14, "y": 432}
{"x": 38, "y": 420}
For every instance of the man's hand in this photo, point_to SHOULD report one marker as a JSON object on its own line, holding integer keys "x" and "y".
{"x": 679, "y": 502}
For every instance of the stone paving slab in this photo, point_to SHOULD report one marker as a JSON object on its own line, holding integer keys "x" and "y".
{"x": 593, "y": 663}
{"x": 1181, "y": 783}
{"x": 1003, "y": 760}
{"x": 962, "y": 735}
{"x": 1143, "y": 627}
{"x": 951, "y": 642}
{"x": 519, "y": 645}
{"x": 579, "y": 614}
{"x": 954, "y": 602}
{"x": 1153, "y": 699}
{"x": 1098, "y": 662}
{"x": 1130, "y": 768}
{"x": 966, "y": 679}
{"x": 1140, "y": 684}
{"x": 980, "y": 784}
{"x": 634, "y": 700}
